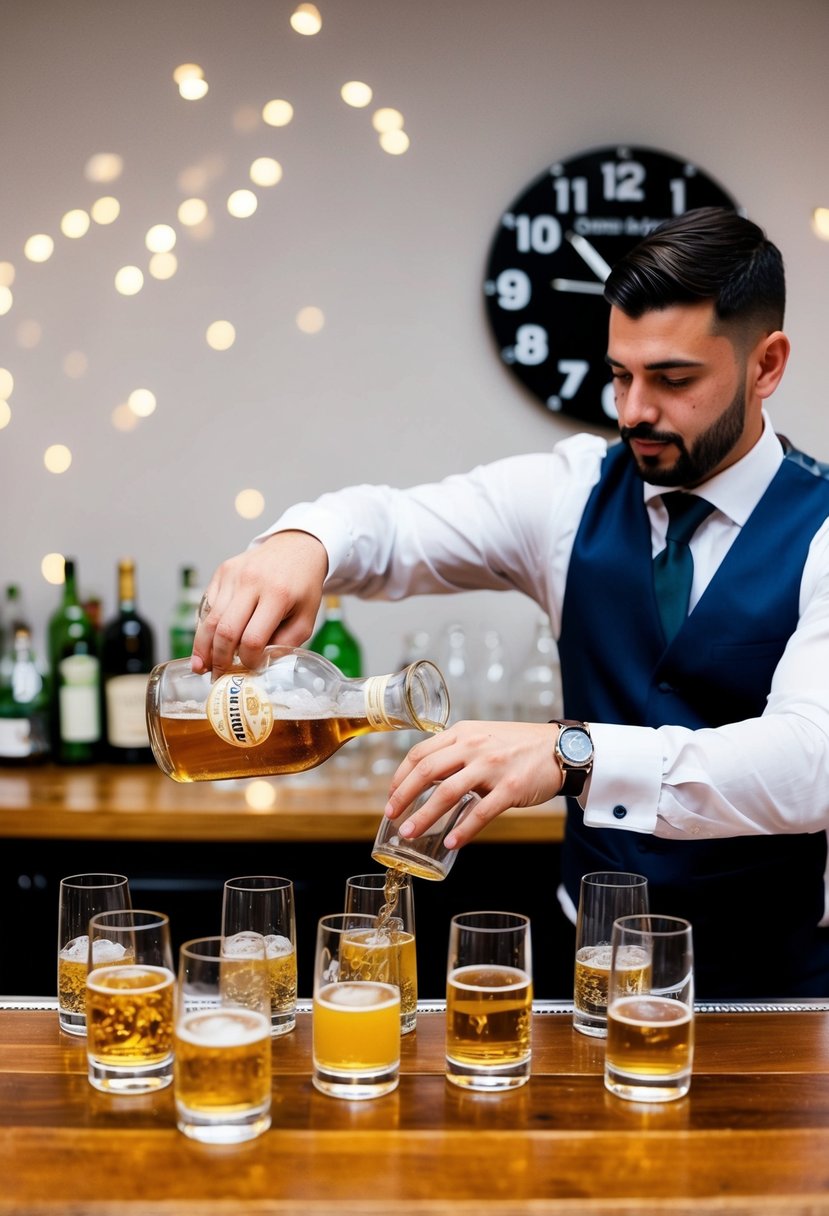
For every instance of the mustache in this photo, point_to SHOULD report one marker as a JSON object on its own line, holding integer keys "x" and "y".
{"x": 644, "y": 431}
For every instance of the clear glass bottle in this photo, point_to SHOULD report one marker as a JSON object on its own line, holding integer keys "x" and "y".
{"x": 335, "y": 642}
{"x": 76, "y": 679}
{"x": 494, "y": 703}
{"x": 536, "y": 691}
{"x": 127, "y": 658}
{"x": 289, "y": 715}
{"x": 456, "y": 664}
{"x": 183, "y": 621}
{"x": 24, "y": 705}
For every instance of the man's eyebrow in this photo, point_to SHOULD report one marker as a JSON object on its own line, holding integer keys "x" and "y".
{"x": 661, "y": 366}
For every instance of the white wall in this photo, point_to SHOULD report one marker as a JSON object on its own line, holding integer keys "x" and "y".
{"x": 403, "y": 384}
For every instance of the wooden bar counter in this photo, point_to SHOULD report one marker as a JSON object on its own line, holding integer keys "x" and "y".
{"x": 107, "y": 802}
{"x": 751, "y": 1138}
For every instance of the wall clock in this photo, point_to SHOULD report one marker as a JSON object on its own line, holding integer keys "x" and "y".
{"x": 551, "y": 253}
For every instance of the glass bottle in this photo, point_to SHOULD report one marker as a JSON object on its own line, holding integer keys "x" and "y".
{"x": 76, "y": 679}
{"x": 536, "y": 691}
{"x": 289, "y": 715}
{"x": 127, "y": 658}
{"x": 14, "y": 618}
{"x": 336, "y": 643}
{"x": 455, "y": 661}
{"x": 183, "y": 620}
{"x": 494, "y": 704}
{"x": 24, "y": 705}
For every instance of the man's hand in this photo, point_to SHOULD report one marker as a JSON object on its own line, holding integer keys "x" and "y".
{"x": 268, "y": 594}
{"x": 507, "y": 763}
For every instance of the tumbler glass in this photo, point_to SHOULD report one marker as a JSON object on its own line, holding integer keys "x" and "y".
{"x": 223, "y": 1042}
{"x": 264, "y": 904}
{"x": 129, "y": 1004}
{"x": 604, "y": 897}
{"x": 81, "y": 896}
{"x": 375, "y": 895}
{"x": 356, "y": 1019}
{"x": 426, "y": 856}
{"x": 489, "y": 996}
{"x": 650, "y": 1011}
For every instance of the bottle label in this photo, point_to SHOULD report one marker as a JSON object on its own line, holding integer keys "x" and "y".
{"x": 376, "y": 700}
{"x": 16, "y": 740}
{"x": 238, "y": 712}
{"x": 126, "y": 698}
{"x": 80, "y": 716}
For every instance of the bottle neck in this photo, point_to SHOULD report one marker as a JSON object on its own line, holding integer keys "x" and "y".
{"x": 126, "y": 588}
{"x": 414, "y": 697}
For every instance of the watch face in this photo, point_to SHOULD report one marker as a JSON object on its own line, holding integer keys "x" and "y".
{"x": 551, "y": 253}
{"x": 575, "y": 745}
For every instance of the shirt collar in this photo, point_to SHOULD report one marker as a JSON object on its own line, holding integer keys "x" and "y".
{"x": 737, "y": 490}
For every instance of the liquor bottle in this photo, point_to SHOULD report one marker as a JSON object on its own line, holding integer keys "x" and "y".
{"x": 183, "y": 621}
{"x": 76, "y": 679}
{"x": 14, "y": 617}
{"x": 536, "y": 691}
{"x": 456, "y": 664}
{"x": 494, "y": 702}
{"x": 287, "y": 716}
{"x": 127, "y": 658}
{"x": 24, "y": 704}
{"x": 334, "y": 641}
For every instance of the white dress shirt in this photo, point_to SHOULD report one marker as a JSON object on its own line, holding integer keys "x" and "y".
{"x": 511, "y": 524}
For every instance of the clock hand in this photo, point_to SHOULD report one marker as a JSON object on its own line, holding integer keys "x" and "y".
{"x": 590, "y": 255}
{"x": 577, "y": 285}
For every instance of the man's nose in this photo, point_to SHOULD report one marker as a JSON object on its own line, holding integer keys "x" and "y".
{"x": 637, "y": 404}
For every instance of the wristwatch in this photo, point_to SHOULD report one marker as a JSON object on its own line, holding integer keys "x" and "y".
{"x": 574, "y": 754}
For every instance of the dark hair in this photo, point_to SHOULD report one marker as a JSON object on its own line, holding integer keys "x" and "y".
{"x": 712, "y": 253}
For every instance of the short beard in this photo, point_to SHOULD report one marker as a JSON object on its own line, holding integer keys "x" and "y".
{"x": 694, "y": 466}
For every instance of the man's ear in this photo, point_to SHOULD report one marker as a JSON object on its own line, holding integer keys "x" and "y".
{"x": 767, "y": 363}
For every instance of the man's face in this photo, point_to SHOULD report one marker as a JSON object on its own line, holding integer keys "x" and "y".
{"x": 680, "y": 394}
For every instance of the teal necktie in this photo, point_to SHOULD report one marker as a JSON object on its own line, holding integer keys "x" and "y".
{"x": 673, "y": 568}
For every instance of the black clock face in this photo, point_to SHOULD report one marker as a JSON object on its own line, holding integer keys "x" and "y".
{"x": 553, "y": 249}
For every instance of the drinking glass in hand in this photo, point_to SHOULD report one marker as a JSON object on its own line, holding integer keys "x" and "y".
{"x": 81, "y": 896}
{"x": 391, "y": 901}
{"x": 650, "y": 1031}
{"x": 223, "y": 1042}
{"x": 489, "y": 1001}
{"x": 129, "y": 1004}
{"x": 603, "y": 898}
{"x": 425, "y": 856}
{"x": 264, "y": 904}
{"x": 356, "y": 1020}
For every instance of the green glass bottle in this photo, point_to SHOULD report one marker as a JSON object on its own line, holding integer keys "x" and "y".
{"x": 335, "y": 643}
{"x": 183, "y": 621}
{"x": 76, "y": 679}
{"x": 24, "y": 704}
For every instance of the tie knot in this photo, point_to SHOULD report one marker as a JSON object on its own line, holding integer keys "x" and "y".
{"x": 685, "y": 514}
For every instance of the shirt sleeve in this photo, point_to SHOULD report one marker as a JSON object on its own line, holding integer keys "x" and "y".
{"x": 505, "y": 525}
{"x": 761, "y": 776}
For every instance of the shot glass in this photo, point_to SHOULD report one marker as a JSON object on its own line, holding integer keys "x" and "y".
{"x": 129, "y": 1002}
{"x": 603, "y": 898}
{"x": 81, "y": 897}
{"x": 426, "y": 856}
{"x": 650, "y": 1013}
{"x": 223, "y": 1042}
{"x": 390, "y": 897}
{"x": 264, "y": 904}
{"x": 489, "y": 994}
{"x": 356, "y": 1018}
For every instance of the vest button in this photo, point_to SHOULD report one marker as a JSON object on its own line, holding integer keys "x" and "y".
{"x": 619, "y": 812}
{"x": 664, "y": 686}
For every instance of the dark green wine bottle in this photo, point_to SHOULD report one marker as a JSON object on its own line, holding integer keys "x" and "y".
{"x": 76, "y": 679}
{"x": 334, "y": 642}
{"x": 127, "y": 658}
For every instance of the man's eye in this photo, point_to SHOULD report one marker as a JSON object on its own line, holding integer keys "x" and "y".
{"x": 623, "y": 377}
{"x": 676, "y": 382}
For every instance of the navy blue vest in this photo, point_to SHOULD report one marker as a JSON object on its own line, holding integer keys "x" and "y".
{"x": 754, "y": 901}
